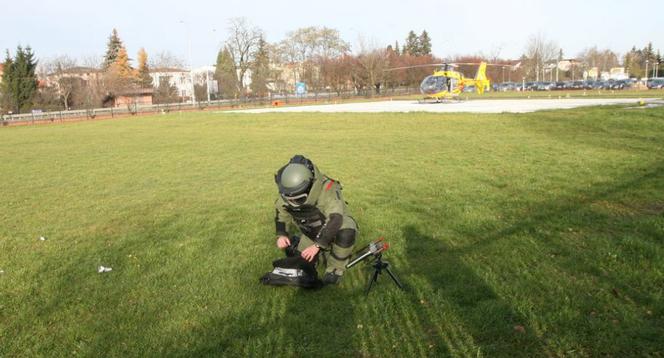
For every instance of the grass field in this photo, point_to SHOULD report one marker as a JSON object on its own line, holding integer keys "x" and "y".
{"x": 528, "y": 235}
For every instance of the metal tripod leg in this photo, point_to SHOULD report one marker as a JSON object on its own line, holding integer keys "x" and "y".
{"x": 373, "y": 279}
{"x": 394, "y": 277}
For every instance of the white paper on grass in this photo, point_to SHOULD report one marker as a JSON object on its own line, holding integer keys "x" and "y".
{"x": 103, "y": 269}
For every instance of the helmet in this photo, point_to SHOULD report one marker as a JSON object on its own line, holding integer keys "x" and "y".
{"x": 295, "y": 180}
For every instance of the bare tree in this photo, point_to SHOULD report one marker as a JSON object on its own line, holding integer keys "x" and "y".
{"x": 55, "y": 65}
{"x": 336, "y": 72}
{"x": 330, "y": 44}
{"x": 372, "y": 61}
{"x": 92, "y": 61}
{"x": 540, "y": 51}
{"x": 242, "y": 45}
{"x": 309, "y": 49}
{"x": 165, "y": 59}
{"x": 604, "y": 60}
{"x": 65, "y": 80}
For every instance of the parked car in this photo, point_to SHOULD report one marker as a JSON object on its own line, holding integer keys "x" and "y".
{"x": 559, "y": 86}
{"x": 618, "y": 84}
{"x": 630, "y": 82}
{"x": 530, "y": 86}
{"x": 602, "y": 85}
{"x": 544, "y": 86}
{"x": 578, "y": 85}
{"x": 589, "y": 84}
{"x": 656, "y": 83}
{"x": 506, "y": 86}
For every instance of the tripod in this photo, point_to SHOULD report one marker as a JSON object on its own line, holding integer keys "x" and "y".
{"x": 379, "y": 265}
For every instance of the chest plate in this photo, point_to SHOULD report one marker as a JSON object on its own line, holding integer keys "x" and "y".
{"x": 308, "y": 218}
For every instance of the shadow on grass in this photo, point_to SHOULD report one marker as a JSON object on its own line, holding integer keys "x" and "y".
{"x": 283, "y": 322}
{"x": 463, "y": 311}
{"x": 594, "y": 244}
{"x": 175, "y": 290}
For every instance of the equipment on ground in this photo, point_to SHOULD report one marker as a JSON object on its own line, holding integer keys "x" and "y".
{"x": 292, "y": 271}
{"x": 375, "y": 250}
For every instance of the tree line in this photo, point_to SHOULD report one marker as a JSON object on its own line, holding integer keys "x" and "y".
{"x": 317, "y": 56}
{"x": 249, "y": 66}
{"x": 73, "y": 86}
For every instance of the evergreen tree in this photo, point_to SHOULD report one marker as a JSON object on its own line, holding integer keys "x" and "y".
{"x": 165, "y": 92}
{"x": 144, "y": 78}
{"x": 424, "y": 44}
{"x": 19, "y": 81}
{"x": 397, "y": 50}
{"x": 120, "y": 76}
{"x": 260, "y": 70}
{"x": 6, "y": 84}
{"x": 226, "y": 74}
{"x": 648, "y": 52}
{"x": 412, "y": 46}
{"x": 112, "y": 49}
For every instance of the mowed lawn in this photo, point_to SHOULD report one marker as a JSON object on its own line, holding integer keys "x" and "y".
{"x": 515, "y": 235}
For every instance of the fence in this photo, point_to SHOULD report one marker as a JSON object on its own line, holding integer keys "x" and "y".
{"x": 134, "y": 109}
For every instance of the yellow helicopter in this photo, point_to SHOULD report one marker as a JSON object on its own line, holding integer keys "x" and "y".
{"x": 447, "y": 82}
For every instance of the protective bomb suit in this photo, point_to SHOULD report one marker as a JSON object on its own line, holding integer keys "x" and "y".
{"x": 313, "y": 203}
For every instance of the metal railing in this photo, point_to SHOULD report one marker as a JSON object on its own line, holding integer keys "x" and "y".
{"x": 135, "y": 109}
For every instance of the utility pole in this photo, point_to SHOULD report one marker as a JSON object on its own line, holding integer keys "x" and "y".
{"x": 207, "y": 82}
{"x": 191, "y": 69}
{"x": 523, "y": 84}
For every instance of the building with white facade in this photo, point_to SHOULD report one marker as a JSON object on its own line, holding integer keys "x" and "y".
{"x": 177, "y": 77}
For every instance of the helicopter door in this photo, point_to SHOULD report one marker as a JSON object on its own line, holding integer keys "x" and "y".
{"x": 451, "y": 84}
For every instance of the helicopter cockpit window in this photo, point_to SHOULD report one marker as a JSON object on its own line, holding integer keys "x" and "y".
{"x": 434, "y": 84}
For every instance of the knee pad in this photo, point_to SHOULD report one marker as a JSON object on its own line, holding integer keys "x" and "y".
{"x": 345, "y": 238}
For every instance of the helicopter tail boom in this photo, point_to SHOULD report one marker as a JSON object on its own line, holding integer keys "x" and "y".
{"x": 481, "y": 82}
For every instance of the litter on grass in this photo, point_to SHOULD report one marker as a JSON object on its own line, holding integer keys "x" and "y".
{"x": 103, "y": 269}
{"x": 41, "y": 238}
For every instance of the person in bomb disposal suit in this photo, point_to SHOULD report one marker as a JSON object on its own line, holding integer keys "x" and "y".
{"x": 313, "y": 203}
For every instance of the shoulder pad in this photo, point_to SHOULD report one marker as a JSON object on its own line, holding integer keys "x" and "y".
{"x": 330, "y": 182}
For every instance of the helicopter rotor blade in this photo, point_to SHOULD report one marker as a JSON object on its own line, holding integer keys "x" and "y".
{"x": 488, "y": 64}
{"x": 416, "y": 66}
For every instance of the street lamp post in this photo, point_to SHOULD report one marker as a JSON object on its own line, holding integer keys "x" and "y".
{"x": 646, "y": 81}
{"x": 191, "y": 69}
{"x": 207, "y": 83}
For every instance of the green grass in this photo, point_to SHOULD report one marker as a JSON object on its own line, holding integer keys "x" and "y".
{"x": 552, "y": 222}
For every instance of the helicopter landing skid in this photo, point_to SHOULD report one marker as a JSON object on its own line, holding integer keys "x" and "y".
{"x": 439, "y": 100}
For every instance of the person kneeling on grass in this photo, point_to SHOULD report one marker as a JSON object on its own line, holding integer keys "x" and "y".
{"x": 313, "y": 203}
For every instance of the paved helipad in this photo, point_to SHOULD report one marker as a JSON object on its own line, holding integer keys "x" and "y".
{"x": 472, "y": 106}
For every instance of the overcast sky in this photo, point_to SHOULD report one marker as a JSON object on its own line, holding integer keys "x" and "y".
{"x": 81, "y": 28}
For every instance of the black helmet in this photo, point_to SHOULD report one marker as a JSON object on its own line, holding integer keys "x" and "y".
{"x": 295, "y": 180}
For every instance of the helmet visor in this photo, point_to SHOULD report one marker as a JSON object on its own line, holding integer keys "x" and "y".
{"x": 296, "y": 200}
